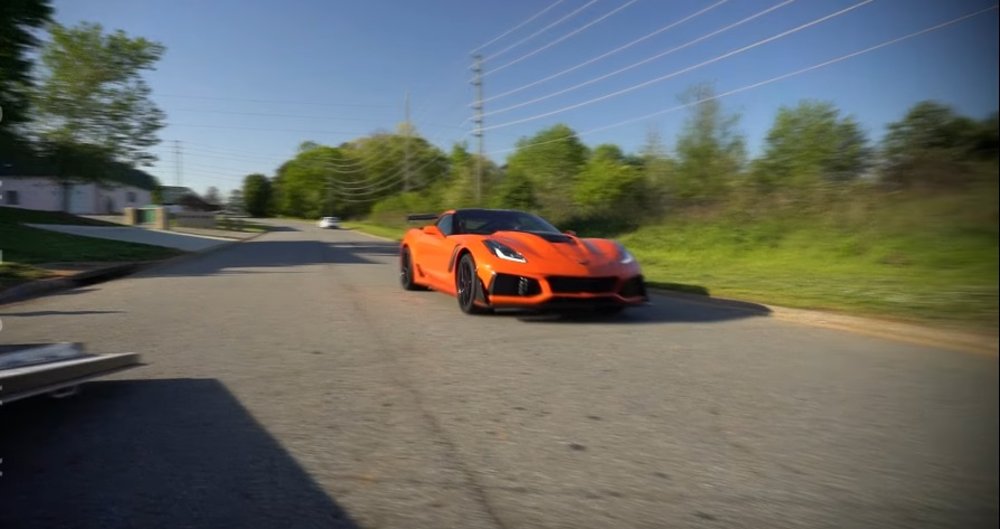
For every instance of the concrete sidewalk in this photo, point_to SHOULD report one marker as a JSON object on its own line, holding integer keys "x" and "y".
{"x": 185, "y": 242}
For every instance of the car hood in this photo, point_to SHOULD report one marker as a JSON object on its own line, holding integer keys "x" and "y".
{"x": 538, "y": 247}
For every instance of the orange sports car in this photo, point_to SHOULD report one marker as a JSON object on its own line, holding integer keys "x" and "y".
{"x": 492, "y": 258}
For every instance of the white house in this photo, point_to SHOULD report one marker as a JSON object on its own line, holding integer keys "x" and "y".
{"x": 45, "y": 193}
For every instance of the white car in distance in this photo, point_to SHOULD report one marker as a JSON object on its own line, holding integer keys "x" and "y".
{"x": 329, "y": 222}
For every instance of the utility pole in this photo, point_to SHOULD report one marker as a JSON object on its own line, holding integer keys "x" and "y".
{"x": 406, "y": 155}
{"x": 477, "y": 81}
{"x": 177, "y": 162}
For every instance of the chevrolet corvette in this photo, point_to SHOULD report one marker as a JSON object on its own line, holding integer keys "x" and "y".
{"x": 492, "y": 258}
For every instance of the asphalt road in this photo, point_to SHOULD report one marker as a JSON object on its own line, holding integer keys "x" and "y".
{"x": 291, "y": 383}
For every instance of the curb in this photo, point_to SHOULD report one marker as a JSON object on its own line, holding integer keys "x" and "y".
{"x": 34, "y": 289}
{"x": 969, "y": 342}
{"x": 379, "y": 237}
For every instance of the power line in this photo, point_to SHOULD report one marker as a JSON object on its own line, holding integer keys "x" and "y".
{"x": 646, "y": 60}
{"x": 608, "y": 54}
{"x": 685, "y": 70}
{"x": 265, "y": 129}
{"x": 770, "y": 80}
{"x": 271, "y": 101}
{"x": 539, "y": 32}
{"x": 519, "y": 26}
{"x": 562, "y": 38}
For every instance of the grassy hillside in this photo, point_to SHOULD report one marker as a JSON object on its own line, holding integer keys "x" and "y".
{"x": 918, "y": 257}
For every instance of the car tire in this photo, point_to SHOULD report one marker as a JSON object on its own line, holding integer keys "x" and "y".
{"x": 611, "y": 310}
{"x": 406, "y": 271}
{"x": 468, "y": 288}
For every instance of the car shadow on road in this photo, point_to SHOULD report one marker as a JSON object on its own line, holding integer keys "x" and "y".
{"x": 35, "y": 313}
{"x": 661, "y": 309}
{"x": 151, "y": 453}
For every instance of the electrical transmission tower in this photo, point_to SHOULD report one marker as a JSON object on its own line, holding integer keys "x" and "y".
{"x": 477, "y": 81}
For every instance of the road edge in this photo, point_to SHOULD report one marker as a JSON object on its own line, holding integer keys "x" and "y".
{"x": 970, "y": 342}
{"x": 35, "y": 289}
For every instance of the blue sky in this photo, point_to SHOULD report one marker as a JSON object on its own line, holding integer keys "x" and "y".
{"x": 244, "y": 82}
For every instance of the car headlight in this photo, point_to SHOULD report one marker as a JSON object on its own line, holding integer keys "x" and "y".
{"x": 624, "y": 256}
{"x": 504, "y": 252}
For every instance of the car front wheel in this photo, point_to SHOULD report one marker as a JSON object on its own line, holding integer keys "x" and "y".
{"x": 406, "y": 271}
{"x": 468, "y": 286}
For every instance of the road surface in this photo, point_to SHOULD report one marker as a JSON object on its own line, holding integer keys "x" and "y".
{"x": 180, "y": 241}
{"x": 292, "y": 383}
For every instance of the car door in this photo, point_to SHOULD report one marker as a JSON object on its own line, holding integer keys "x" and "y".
{"x": 437, "y": 248}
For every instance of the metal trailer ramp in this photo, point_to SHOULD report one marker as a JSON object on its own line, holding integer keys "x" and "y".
{"x": 54, "y": 369}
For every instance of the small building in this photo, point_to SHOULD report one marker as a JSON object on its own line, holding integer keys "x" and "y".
{"x": 177, "y": 198}
{"x": 35, "y": 188}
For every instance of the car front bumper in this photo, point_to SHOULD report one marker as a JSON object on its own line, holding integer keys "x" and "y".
{"x": 552, "y": 292}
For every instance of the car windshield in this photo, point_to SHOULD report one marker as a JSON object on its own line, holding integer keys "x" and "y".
{"x": 485, "y": 222}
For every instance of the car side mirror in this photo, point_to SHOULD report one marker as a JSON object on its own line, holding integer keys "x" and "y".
{"x": 570, "y": 232}
{"x": 433, "y": 230}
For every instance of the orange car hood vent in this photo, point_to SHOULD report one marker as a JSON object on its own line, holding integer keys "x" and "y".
{"x": 548, "y": 236}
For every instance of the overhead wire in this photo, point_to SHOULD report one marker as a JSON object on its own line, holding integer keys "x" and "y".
{"x": 272, "y": 101}
{"x": 606, "y": 54}
{"x": 659, "y": 55}
{"x": 576, "y": 31}
{"x": 519, "y": 26}
{"x": 539, "y": 32}
{"x": 683, "y": 70}
{"x": 770, "y": 80}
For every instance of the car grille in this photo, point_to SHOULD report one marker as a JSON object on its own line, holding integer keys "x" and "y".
{"x": 511, "y": 285}
{"x": 582, "y": 285}
{"x": 633, "y": 287}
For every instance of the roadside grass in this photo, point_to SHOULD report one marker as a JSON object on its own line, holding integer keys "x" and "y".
{"x": 921, "y": 257}
{"x": 24, "y": 246}
{"x": 30, "y": 216}
{"x": 15, "y": 273}
{"x": 392, "y": 232}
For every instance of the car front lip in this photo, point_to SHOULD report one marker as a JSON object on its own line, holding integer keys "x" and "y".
{"x": 547, "y": 297}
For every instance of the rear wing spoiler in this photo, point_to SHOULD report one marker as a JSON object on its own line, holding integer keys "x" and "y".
{"x": 422, "y": 216}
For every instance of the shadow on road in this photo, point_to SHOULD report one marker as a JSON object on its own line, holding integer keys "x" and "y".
{"x": 276, "y": 254}
{"x": 152, "y": 453}
{"x": 32, "y": 314}
{"x": 662, "y": 309}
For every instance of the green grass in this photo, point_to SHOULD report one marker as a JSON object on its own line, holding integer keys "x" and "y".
{"x": 391, "y": 232}
{"x": 29, "y": 216}
{"x": 24, "y": 246}
{"x": 15, "y": 273}
{"x": 930, "y": 259}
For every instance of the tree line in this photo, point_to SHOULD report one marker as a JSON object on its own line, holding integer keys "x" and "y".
{"x": 811, "y": 148}
{"x": 76, "y": 107}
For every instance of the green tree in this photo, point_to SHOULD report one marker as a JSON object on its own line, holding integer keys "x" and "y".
{"x": 460, "y": 190}
{"x": 551, "y": 161}
{"x": 212, "y": 195}
{"x": 235, "y": 202}
{"x": 92, "y": 102}
{"x": 658, "y": 168}
{"x": 710, "y": 152}
{"x": 935, "y": 146}
{"x": 810, "y": 143}
{"x": 256, "y": 194}
{"x": 516, "y": 191}
{"x": 18, "y": 21}
{"x": 610, "y": 191}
